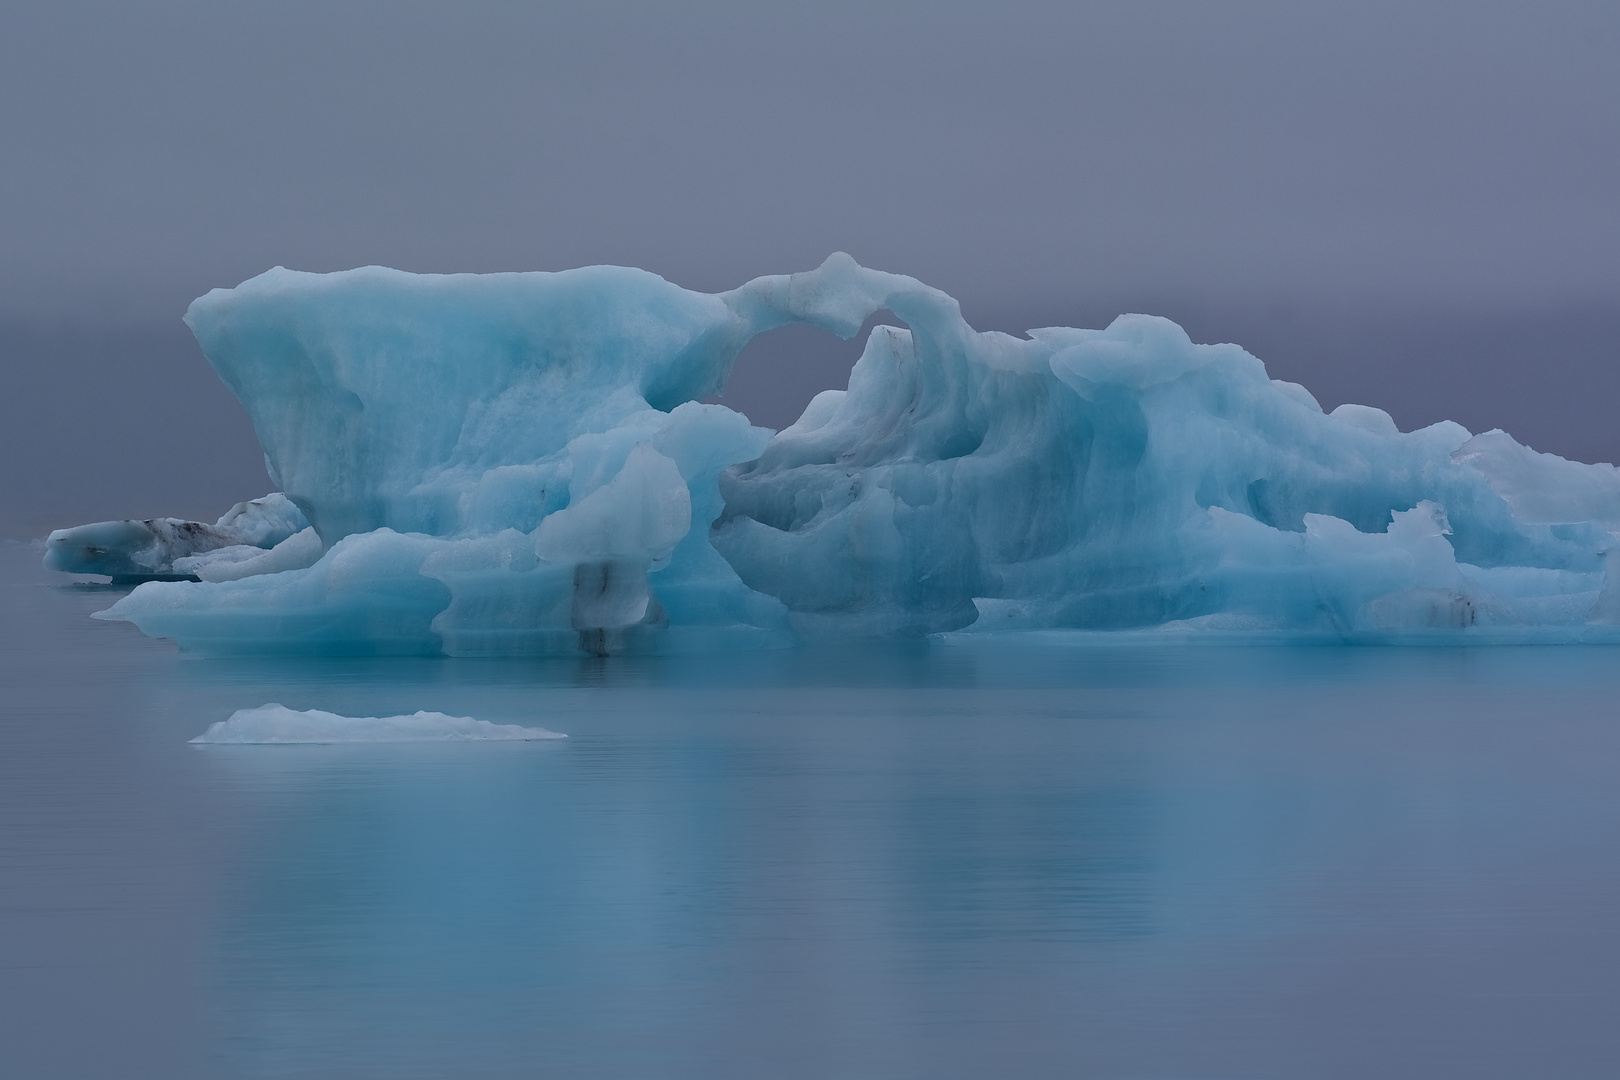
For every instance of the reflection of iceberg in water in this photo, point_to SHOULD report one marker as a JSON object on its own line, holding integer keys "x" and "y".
{"x": 928, "y": 856}
{"x": 517, "y": 464}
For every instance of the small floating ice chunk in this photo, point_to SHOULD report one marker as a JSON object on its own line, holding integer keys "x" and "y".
{"x": 158, "y": 548}
{"x": 273, "y": 723}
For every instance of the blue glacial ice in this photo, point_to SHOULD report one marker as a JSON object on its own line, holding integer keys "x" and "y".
{"x": 269, "y": 724}
{"x": 258, "y": 536}
{"x": 518, "y": 464}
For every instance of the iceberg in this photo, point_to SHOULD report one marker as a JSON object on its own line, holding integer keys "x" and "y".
{"x": 519, "y": 464}
{"x": 277, "y": 724}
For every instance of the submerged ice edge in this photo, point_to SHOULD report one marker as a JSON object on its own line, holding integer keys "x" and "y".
{"x": 516, "y": 464}
{"x": 277, "y": 724}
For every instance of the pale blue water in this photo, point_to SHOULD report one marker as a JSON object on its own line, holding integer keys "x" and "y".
{"x": 892, "y": 863}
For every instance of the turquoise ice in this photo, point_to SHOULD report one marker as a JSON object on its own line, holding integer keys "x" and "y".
{"x": 518, "y": 464}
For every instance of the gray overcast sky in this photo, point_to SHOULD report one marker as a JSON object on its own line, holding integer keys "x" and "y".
{"x": 1383, "y": 200}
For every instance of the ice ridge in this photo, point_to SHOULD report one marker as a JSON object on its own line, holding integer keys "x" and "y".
{"x": 517, "y": 464}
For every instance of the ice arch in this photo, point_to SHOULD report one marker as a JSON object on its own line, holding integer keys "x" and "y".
{"x": 779, "y": 371}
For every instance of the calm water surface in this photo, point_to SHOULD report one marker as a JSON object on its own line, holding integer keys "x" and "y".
{"x": 912, "y": 862}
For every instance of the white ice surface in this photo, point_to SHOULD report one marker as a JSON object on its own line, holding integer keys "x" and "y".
{"x": 279, "y": 724}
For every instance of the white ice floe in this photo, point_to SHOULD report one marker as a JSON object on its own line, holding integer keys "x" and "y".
{"x": 270, "y": 724}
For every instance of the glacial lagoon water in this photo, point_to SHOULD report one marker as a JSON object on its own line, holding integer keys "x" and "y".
{"x": 924, "y": 861}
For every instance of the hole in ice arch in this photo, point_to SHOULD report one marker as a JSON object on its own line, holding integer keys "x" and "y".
{"x": 779, "y": 371}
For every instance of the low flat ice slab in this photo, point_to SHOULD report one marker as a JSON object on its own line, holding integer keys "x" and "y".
{"x": 272, "y": 724}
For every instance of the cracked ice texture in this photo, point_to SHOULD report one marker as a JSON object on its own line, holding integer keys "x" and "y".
{"x": 517, "y": 464}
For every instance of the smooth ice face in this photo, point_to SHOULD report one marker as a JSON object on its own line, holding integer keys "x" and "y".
{"x": 425, "y": 402}
{"x": 515, "y": 464}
